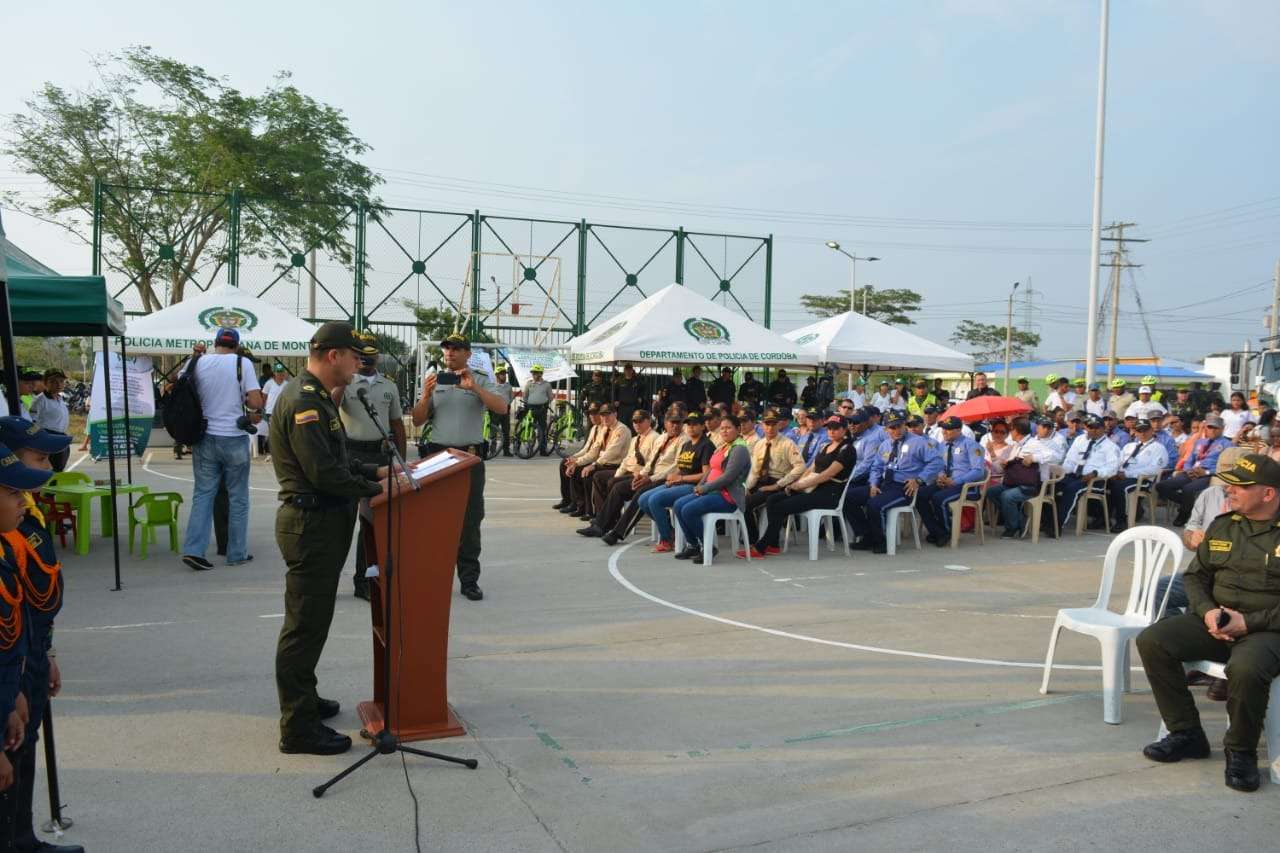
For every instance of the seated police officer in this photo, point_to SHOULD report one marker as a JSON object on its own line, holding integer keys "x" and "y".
{"x": 1234, "y": 618}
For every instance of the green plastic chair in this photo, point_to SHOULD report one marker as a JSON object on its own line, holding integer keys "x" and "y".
{"x": 158, "y": 509}
{"x": 68, "y": 478}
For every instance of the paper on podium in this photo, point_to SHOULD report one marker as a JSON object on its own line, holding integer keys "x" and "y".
{"x": 439, "y": 462}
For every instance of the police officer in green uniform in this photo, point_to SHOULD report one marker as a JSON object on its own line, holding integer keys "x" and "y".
{"x": 1233, "y": 586}
{"x": 454, "y": 400}
{"x": 319, "y": 488}
{"x": 364, "y": 438}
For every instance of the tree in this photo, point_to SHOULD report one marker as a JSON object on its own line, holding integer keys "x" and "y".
{"x": 434, "y": 324}
{"x": 985, "y": 341}
{"x": 891, "y": 306}
{"x": 151, "y": 121}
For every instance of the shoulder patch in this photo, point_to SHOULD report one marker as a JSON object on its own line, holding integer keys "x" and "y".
{"x": 310, "y": 416}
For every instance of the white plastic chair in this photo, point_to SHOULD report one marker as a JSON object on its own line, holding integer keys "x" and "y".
{"x": 1154, "y": 548}
{"x": 891, "y": 526}
{"x": 1271, "y": 725}
{"x": 735, "y": 525}
{"x": 818, "y": 520}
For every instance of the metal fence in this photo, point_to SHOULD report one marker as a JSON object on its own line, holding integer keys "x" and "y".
{"x": 514, "y": 280}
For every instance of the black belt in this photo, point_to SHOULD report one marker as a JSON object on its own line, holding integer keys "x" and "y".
{"x": 318, "y": 501}
{"x": 376, "y": 444}
{"x": 436, "y": 448}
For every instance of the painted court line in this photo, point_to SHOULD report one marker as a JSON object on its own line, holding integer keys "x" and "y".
{"x": 146, "y": 466}
{"x": 118, "y": 627}
{"x": 857, "y": 647}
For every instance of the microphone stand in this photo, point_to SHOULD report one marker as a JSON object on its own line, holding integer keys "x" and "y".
{"x": 384, "y": 742}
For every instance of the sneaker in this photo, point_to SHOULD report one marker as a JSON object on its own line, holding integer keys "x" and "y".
{"x": 1011, "y": 534}
{"x": 689, "y": 552}
{"x": 756, "y": 554}
{"x": 247, "y": 558}
{"x": 772, "y": 551}
{"x": 1176, "y": 746}
{"x": 664, "y": 546}
{"x": 199, "y": 564}
{"x": 697, "y": 559}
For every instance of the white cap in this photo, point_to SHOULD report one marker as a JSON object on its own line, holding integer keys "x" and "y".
{"x": 1145, "y": 389}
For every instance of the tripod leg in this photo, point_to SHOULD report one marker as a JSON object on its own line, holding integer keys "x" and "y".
{"x": 465, "y": 762}
{"x": 319, "y": 790}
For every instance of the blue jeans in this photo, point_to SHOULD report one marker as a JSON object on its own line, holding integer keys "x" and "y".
{"x": 1177, "y": 602}
{"x": 691, "y": 508}
{"x": 655, "y": 504}
{"x": 1010, "y": 499}
{"x": 217, "y": 458}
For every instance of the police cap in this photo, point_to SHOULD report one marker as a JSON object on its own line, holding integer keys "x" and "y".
{"x": 1254, "y": 469}
{"x": 694, "y": 418}
{"x": 894, "y": 420}
{"x": 1094, "y": 422}
{"x": 951, "y": 423}
{"x": 455, "y": 341}
{"x": 15, "y": 475}
{"x": 20, "y": 432}
{"x": 771, "y": 416}
{"x": 340, "y": 335}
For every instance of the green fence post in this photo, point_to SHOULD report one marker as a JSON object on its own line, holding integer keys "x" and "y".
{"x": 357, "y": 317}
{"x": 580, "y": 324}
{"x": 97, "y": 226}
{"x": 680, "y": 255}
{"x": 768, "y": 281}
{"x": 476, "y": 325}
{"x": 233, "y": 243}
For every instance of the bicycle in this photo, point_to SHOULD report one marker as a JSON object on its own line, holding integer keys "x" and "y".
{"x": 566, "y": 434}
{"x": 525, "y": 434}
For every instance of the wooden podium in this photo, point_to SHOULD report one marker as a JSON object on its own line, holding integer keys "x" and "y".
{"x": 426, "y": 525}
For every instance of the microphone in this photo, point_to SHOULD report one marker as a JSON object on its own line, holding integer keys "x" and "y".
{"x": 362, "y": 394}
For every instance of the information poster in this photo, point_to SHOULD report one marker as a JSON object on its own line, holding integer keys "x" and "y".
{"x": 134, "y": 374}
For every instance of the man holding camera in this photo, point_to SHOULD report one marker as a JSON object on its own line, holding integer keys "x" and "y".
{"x": 226, "y": 384}
{"x": 454, "y": 399}
{"x": 364, "y": 439}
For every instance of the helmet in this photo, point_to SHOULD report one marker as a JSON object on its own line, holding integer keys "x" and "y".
{"x": 1022, "y": 379}
{"x": 537, "y": 368}
{"x": 1117, "y": 383}
{"x": 1148, "y": 380}
{"x": 1050, "y": 379}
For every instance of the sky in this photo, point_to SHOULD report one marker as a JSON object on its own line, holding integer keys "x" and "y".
{"x": 953, "y": 139}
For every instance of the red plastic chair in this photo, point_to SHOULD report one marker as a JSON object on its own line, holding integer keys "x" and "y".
{"x": 59, "y": 517}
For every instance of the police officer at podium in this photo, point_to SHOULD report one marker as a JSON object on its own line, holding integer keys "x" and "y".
{"x": 454, "y": 400}
{"x": 319, "y": 488}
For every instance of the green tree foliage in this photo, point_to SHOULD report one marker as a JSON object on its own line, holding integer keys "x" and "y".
{"x": 893, "y": 305}
{"x": 151, "y": 121}
{"x": 434, "y": 324}
{"x": 985, "y": 341}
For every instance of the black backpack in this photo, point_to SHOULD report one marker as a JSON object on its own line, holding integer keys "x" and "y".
{"x": 183, "y": 415}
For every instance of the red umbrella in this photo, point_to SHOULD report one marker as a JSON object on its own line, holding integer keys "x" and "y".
{"x": 986, "y": 407}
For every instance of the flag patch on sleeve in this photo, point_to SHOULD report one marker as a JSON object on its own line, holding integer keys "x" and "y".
{"x": 310, "y": 416}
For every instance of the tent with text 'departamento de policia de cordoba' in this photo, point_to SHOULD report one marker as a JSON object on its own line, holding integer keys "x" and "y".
{"x": 264, "y": 328}
{"x": 678, "y": 326}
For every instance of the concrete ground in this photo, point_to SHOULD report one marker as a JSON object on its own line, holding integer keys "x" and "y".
{"x": 621, "y": 700}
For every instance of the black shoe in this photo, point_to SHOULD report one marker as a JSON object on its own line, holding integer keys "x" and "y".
{"x": 1011, "y": 534}
{"x": 880, "y": 548}
{"x": 942, "y": 541}
{"x": 862, "y": 545}
{"x": 322, "y": 741}
{"x": 1097, "y": 524}
{"x": 689, "y": 552}
{"x": 1176, "y": 746}
{"x": 611, "y": 538}
{"x": 327, "y": 708}
{"x": 472, "y": 591}
{"x": 560, "y": 505}
{"x": 931, "y": 539}
{"x": 697, "y": 560}
{"x": 1242, "y": 770}
{"x": 1119, "y": 526}
{"x": 591, "y": 531}
{"x": 46, "y": 847}
{"x": 199, "y": 564}
{"x": 362, "y": 590}
{"x": 1217, "y": 691}
{"x": 569, "y": 509}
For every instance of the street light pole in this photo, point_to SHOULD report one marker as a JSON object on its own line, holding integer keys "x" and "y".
{"x": 853, "y": 275}
{"x": 1095, "y": 234}
{"x": 1008, "y": 338}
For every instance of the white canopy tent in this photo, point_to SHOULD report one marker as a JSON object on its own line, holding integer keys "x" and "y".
{"x": 264, "y": 328}
{"x": 853, "y": 340}
{"x": 678, "y": 326}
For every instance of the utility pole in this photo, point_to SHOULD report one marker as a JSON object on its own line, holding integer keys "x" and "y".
{"x": 1095, "y": 231}
{"x": 1118, "y": 262}
{"x": 1008, "y": 338}
{"x": 1275, "y": 311}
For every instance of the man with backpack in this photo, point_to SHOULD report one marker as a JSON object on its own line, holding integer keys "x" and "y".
{"x": 206, "y": 410}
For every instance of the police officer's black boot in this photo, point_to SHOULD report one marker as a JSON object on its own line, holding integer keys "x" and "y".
{"x": 1242, "y": 770}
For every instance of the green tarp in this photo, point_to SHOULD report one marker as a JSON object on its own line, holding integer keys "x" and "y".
{"x": 44, "y": 305}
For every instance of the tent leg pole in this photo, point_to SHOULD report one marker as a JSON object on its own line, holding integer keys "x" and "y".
{"x": 128, "y": 434}
{"x": 6, "y": 349}
{"x": 111, "y": 456}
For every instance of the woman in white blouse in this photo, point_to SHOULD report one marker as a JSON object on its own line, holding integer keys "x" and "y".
{"x": 1234, "y": 418}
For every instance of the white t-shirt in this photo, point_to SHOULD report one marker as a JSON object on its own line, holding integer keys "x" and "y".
{"x": 220, "y": 397}
{"x": 1233, "y": 420}
{"x": 272, "y": 390}
{"x": 50, "y": 413}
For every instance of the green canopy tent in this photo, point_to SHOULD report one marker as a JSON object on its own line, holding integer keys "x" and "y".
{"x": 37, "y": 302}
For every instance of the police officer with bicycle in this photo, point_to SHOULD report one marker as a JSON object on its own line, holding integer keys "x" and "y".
{"x": 537, "y": 396}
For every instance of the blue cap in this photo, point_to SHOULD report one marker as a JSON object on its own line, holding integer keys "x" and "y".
{"x": 871, "y": 410}
{"x": 226, "y": 337}
{"x": 20, "y": 432}
{"x": 858, "y": 418}
{"x": 15, "y": 475}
